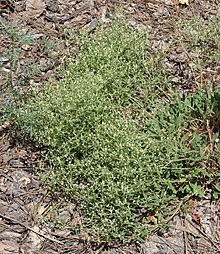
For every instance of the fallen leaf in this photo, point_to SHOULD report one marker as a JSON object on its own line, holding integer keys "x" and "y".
{"x": 2, "y": 247}
{"x": 196, "y": 218}
{"x": 5, "y": 4}
{"x": 62, "y": 232}
{"x": 152, "y": 219}
{"x": 184, "y": 2}
{"x": 35, "y": 5}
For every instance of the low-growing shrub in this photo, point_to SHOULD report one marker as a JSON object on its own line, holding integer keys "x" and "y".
{"x": 125, "y": 149}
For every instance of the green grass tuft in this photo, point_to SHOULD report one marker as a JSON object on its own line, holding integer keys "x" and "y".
{"x": 201, "y": 39}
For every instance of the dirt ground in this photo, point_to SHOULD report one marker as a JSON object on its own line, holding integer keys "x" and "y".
{"x": 25, "y": 201}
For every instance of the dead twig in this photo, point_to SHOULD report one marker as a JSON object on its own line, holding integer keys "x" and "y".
{"x": 30, "y": 229}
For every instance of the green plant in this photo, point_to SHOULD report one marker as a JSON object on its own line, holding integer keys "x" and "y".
{"x": 18, "y": 64}
{"x": 200, "y": 38}
{"x": 120, "y": 144}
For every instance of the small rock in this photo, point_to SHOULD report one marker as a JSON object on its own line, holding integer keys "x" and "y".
{"x": 24, "y": 181}
{"x": 179, "y": 50}
{"x": 65, "y": 216}
{"x": 93, "y": 24}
